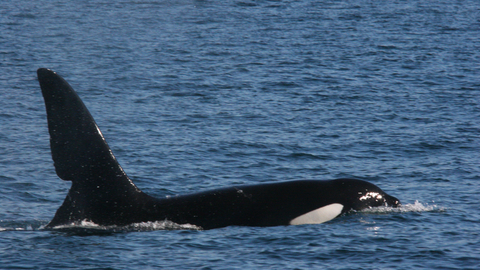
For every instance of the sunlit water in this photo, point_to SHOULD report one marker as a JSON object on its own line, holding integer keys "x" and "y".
{"x": 194, "y": 95}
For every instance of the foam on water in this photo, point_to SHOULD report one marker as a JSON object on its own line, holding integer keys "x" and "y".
{"x": 87, "y": 225}
{"x": 404, "y": 208}
{"x": 25, "y": 225}
{"x": 28, "y": 228}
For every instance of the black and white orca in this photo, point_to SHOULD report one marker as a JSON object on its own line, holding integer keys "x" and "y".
{"x": 102, "y": 193}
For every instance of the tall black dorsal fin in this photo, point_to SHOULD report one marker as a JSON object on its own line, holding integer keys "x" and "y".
{"x": 101, "y": 191}
{"x": 79, "y": 150}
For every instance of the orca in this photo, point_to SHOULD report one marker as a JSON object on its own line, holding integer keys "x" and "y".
{"x": 101, "y": 192}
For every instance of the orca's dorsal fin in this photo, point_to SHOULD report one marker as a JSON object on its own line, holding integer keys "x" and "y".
{"x": 79, "y": 150}
{"x": 101, "y": 191}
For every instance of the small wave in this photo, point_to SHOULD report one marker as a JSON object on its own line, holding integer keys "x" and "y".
{"x": 22, "y": 225}
{"x": 404, "y": 208}
{"x": 27, "y": 228}
{"x": 419, "y": 207}
{"x": 162, "y": 225}
{"x": 87, "y": 226}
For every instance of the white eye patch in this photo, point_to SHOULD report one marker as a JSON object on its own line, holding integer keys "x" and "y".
{"x": 320, "y": 215}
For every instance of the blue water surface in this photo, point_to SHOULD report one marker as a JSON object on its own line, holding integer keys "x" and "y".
{"x": 194, "y": 95}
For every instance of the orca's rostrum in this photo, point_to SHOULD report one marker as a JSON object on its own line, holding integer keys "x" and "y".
{"x": 102, "y": 193}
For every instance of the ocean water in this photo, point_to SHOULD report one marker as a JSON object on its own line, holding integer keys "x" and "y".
{"x": 194, "y": 95}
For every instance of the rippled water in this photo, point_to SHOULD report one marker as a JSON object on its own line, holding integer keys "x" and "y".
{"x": 193, "y": 95}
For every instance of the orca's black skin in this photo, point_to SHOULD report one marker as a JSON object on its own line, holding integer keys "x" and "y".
{"x": 101, "y": 191}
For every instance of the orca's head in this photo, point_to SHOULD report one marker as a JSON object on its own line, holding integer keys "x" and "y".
{"x": 363, "y": 195}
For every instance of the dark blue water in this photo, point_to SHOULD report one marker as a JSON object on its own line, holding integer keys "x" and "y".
{"x": 193, "y": 95}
